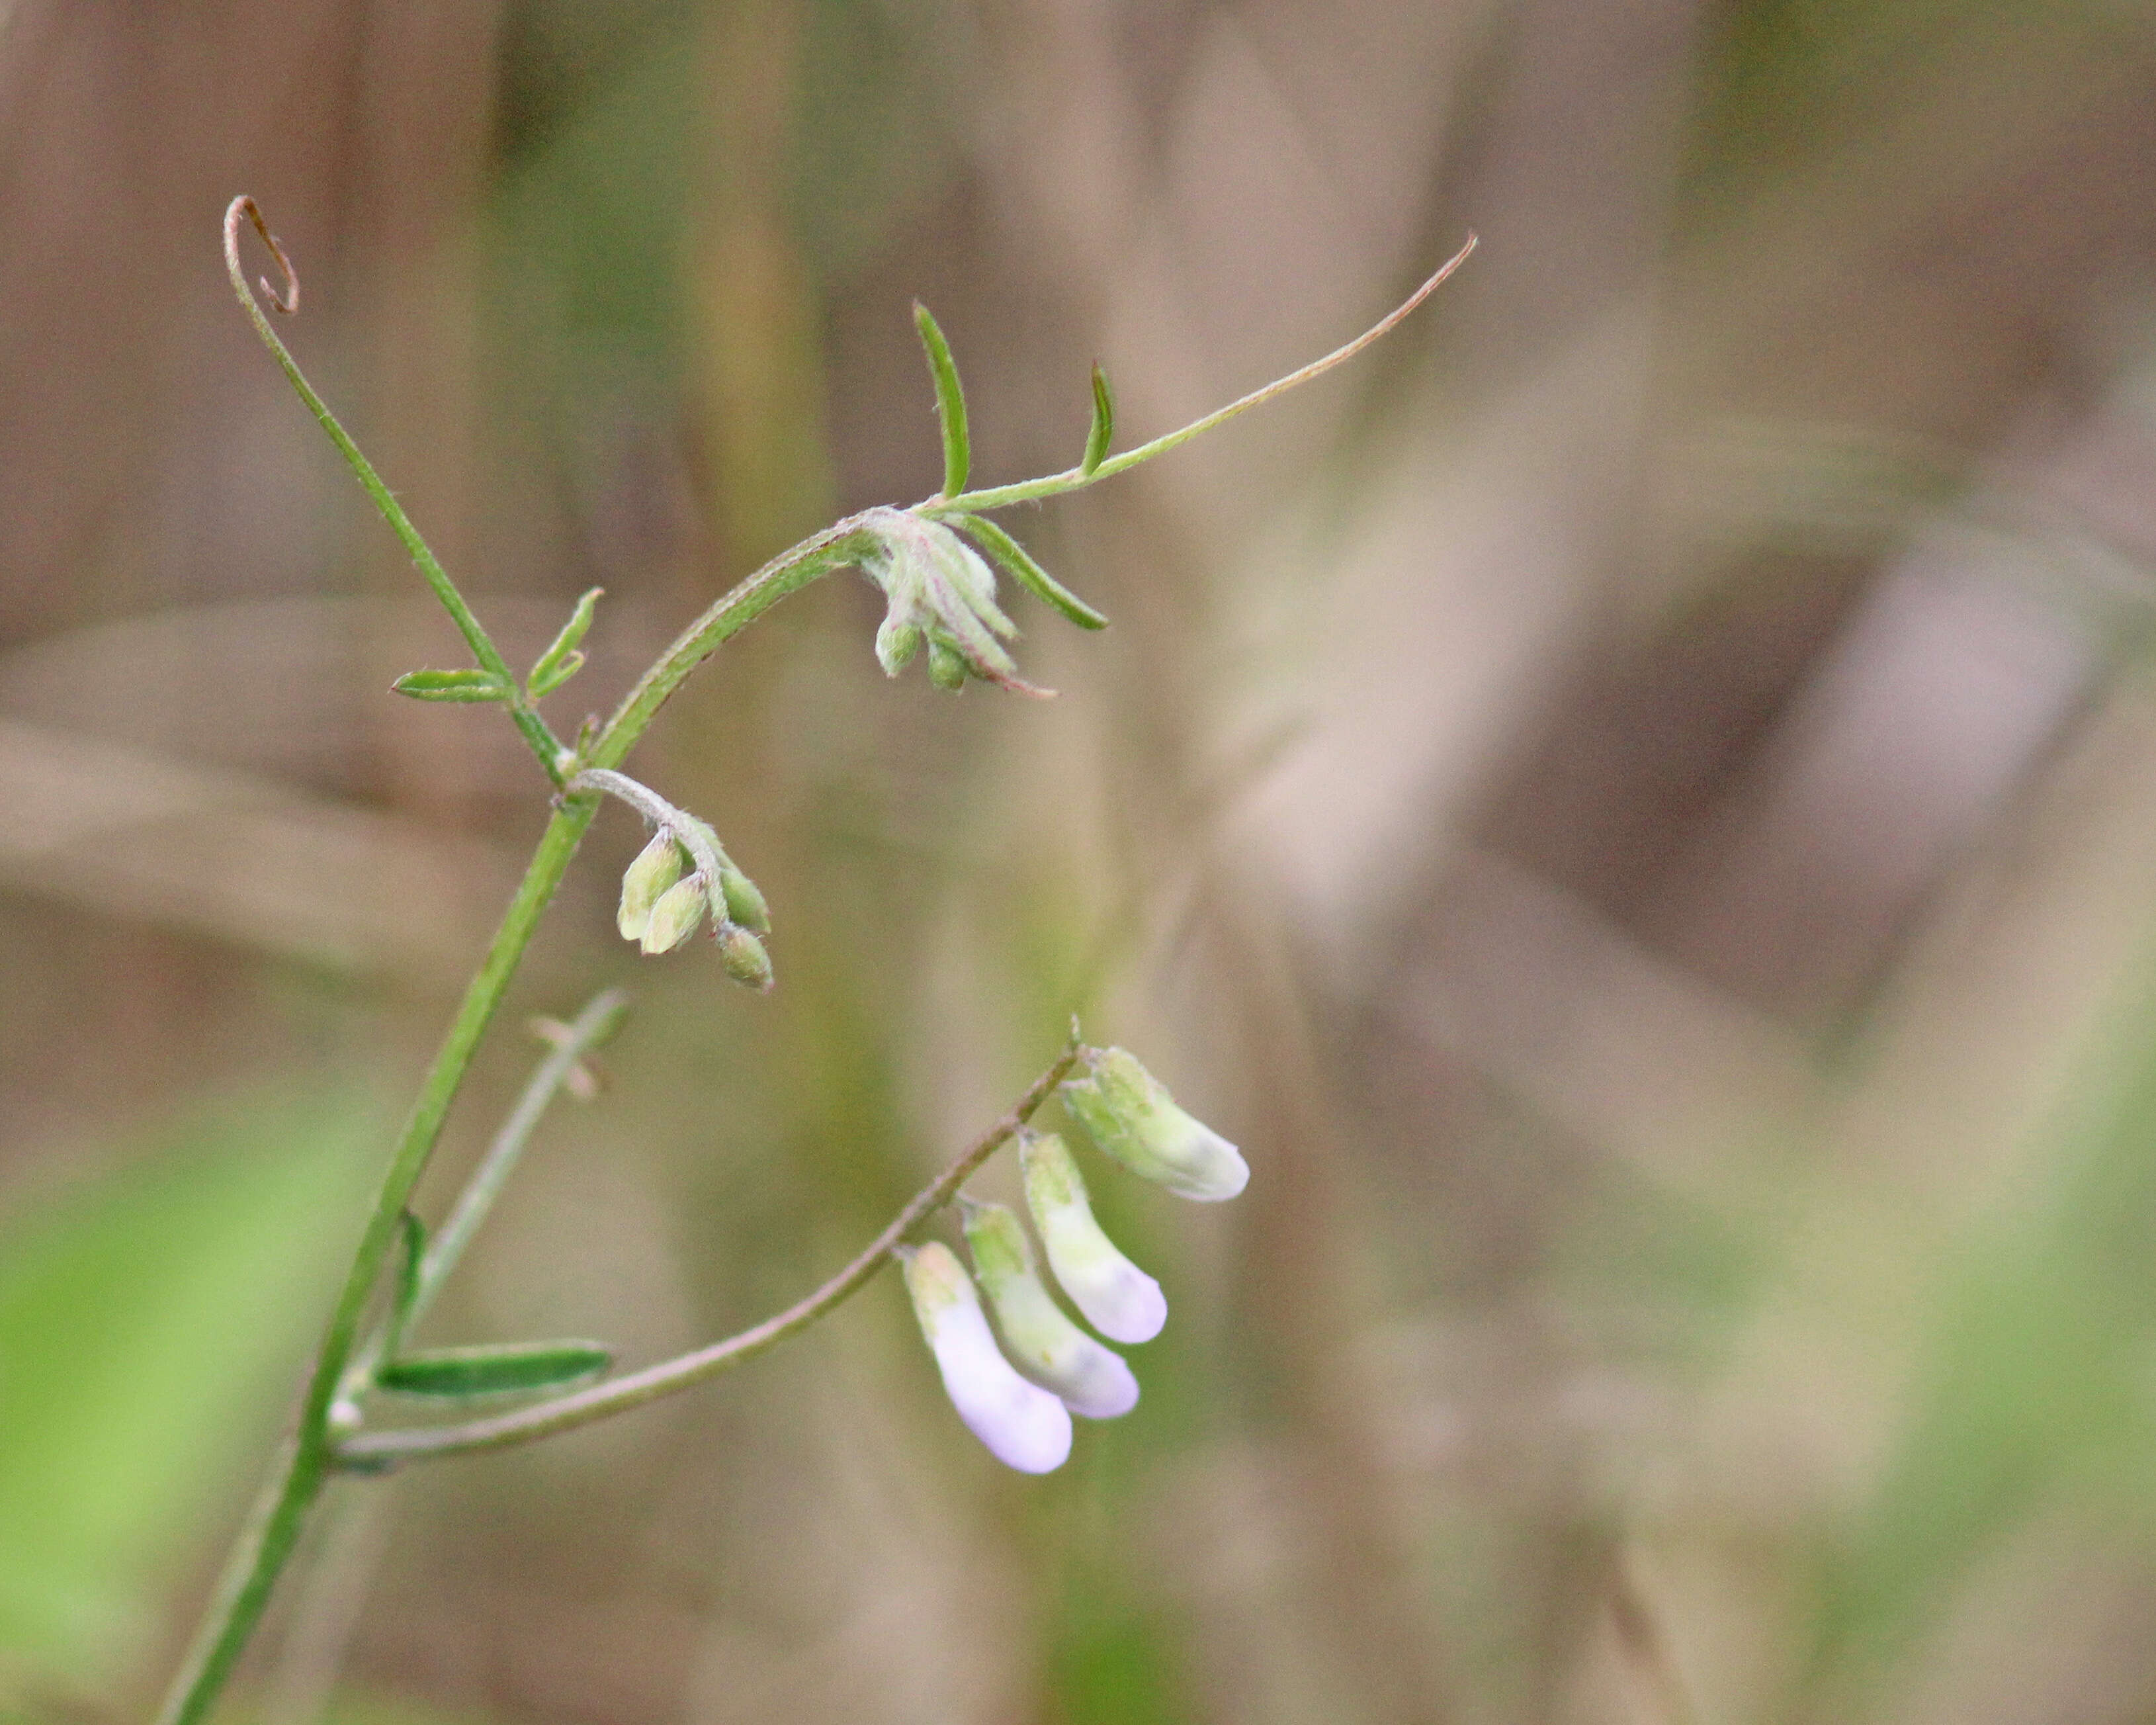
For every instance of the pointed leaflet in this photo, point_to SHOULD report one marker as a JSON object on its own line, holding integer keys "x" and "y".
{"x": 412, "y": 1239}
{"x": 1104, "y": 425}
{"x": 499, "y": 1368}
{"x": 1019, "y": 563}
{"x": 471, "y": 685}
{"x": 562, "y": 661}
{"x": 950, "y": 402}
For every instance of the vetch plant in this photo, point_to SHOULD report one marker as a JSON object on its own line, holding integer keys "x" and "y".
{"x": 935, "y": 562}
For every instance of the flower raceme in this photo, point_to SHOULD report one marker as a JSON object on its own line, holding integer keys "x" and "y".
{"x": 683, "y": 873}
{"x": 941, "y": 595}
{"x": 1127, "y": 1111}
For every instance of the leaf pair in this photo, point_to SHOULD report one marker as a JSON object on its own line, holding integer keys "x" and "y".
{"x": 554, "y": 667}
{"x": 951, "y": 409}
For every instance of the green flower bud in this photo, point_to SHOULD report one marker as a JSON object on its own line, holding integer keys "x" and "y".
{"x": 1041, "y": 1341}
{"x": 940, "y": 592}
{"x": 1119, "y": 1299}
{"x": 673, "y": 918}
{"x": 1129, "y": 1113}
{"x": 657, "y": 867}
{"x": 946, "y": 667}
{"x": 744, "y": 904}
{"x": 896, "y": 642}
{"x": 743, "y": 956}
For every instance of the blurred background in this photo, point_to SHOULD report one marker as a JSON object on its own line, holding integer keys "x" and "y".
{"x": 1636, "y": 805}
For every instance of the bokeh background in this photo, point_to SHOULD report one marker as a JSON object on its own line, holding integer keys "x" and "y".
{"x": 1636, "y": 805}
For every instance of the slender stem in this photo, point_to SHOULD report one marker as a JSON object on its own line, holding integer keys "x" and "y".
{"x": 656, "y": 810}
{"x": 374, "y": 1451}
{"x": 267, "y": 1541}
{"x": 787, "y": 573}
{"x": 295, "y": 1478}
{"x": 543, "y": 742}
{"x": 1077, "y": 479}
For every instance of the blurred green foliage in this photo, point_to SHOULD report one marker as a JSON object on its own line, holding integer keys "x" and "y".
{"x": 151, "y": 1320}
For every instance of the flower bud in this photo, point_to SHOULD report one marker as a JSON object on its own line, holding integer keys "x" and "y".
{"x": 657, "y": 867}
{"x": 1023, "y": 1426}
{"x": 673, "y": 918}
{"x": 940, "y": 594}
{"x": 1043, "y": 1343}
{"x": 744, "y": 958}
{"x": 1129, "y": 1113}
{"x": 744, "y": 904}
{"x": 946, "y": 665}
{"x": 896, "y": 642}
{"x": 1118, "y": 1299}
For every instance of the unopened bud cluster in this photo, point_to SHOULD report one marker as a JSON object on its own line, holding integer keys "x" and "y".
{"x": 665, "y": 893}
{"x": 1018, "y": 1399}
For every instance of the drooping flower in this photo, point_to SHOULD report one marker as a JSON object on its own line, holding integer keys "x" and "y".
{"x": 1118, "y": 1299}
{"x": 941, "y": 595}
{"x": 1042, "y": 1342}
{"x": 1023, "y": 1426}
{"x": 1129, "y": 1113}
{"x": 657, "y": 867}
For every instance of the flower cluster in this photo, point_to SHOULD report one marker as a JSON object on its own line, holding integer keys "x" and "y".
{"x": 941, "y": 595}
{"x": 1018, "y": 1399}
{"x": 682, "y": 872}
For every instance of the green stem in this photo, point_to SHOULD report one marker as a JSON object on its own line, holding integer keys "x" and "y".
{"x": 267, "y": 1541}
{"x": 543, "y": 742}
{"x": 376, "y": 1452}
{"x": 787, "y": 573}
{"x": 1077, "y": 479}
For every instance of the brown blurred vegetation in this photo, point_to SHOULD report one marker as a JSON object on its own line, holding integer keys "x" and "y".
{"x": 1636, "y": 805}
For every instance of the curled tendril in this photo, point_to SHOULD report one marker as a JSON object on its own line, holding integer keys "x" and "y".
{"x": 287, "y": 302}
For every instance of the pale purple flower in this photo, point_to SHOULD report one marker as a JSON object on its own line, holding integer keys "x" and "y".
{"x": 1023, "y": 1426}
{"x": 1118, "y": 1299}
{"x": 1041, "y": 1341}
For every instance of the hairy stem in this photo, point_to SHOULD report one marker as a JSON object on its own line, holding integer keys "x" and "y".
{"x": 373, "y": 1452}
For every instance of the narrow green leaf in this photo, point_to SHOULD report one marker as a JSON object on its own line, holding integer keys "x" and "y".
{"x": 471, "y": 685}
{"x": 1104, "y": 424}
{"x": 497, "y": 1368}
{"x": 546, "y": 681}
{"x": 562, "y": 661}
{"x": 1029, "y": 574}
{"x": 950, "y": 402}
